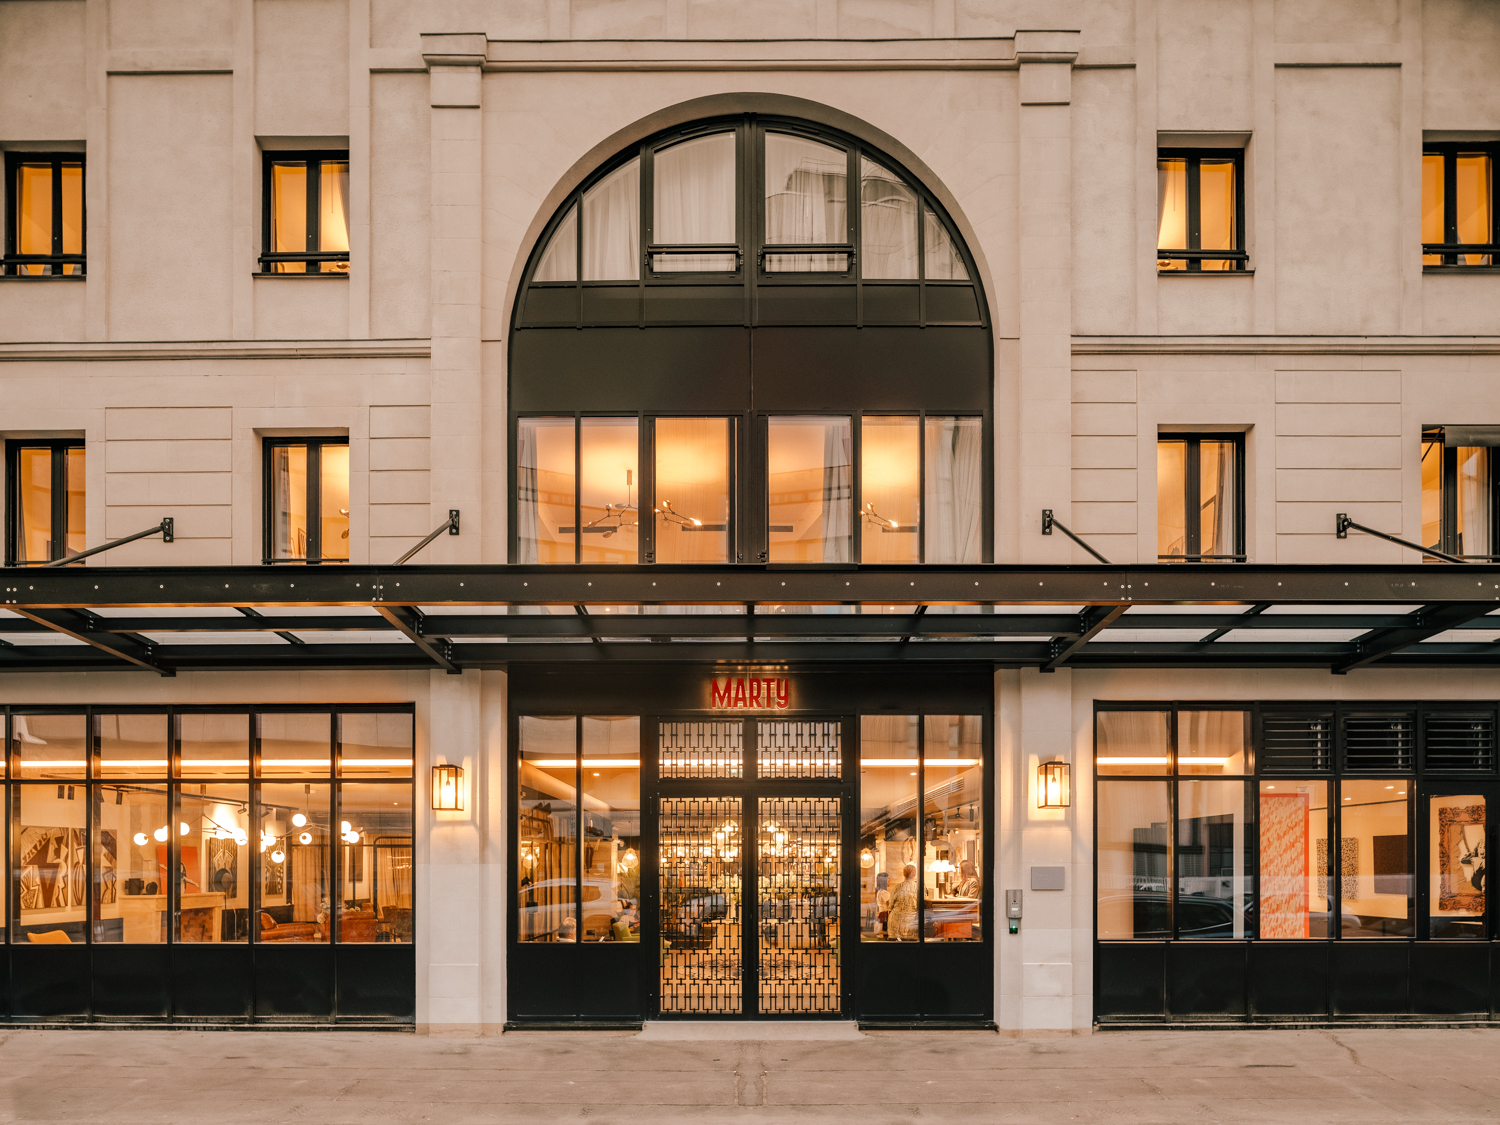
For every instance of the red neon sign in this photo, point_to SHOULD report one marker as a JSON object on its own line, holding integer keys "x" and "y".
{"x": 750, "y": 693}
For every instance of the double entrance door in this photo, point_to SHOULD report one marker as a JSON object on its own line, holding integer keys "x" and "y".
{"x": 753, "y": 820}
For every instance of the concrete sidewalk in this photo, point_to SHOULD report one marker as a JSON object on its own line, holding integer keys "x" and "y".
{"x": 333, "y": 1078}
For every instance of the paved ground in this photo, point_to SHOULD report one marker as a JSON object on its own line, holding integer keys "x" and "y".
{"x": 229, "y": 1078}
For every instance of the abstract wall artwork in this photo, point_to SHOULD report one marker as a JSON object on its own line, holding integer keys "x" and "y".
{"x": 1461, "y": 857}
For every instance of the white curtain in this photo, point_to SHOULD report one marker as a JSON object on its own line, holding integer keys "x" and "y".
{"x": 838, "y": 492}
{"x": 888, "y": 224}
{"x": 526, "y": 493}
{"x": 1474, "y": 500}
{"x": 806, "y": 199}
{"x": 612, "y": 226}
{"x": 944, "y": 262}
{"x": 693, "y": 186}
{"x": 1216, "y": 498}
{"x": 955, "y": 490}
{"x": 560, "y": 259}
{"x": 333, "y": 210}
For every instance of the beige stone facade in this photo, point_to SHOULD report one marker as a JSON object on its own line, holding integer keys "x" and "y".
{"x": 469, "y": 121}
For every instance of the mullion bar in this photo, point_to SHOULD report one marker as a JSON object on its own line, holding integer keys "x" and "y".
{"x": 1450, "y": 201}
{"x": 314, "y": 501}
{"x": 921, "y": 469}
{"x": 56, "y": 166}
{"x": 578, "y": 830}
{"x": 1192, "y": 466}
{"x": 1194, "y": 214}
{"x": 1172, "y": 828}
{"x": 920, "y": 826}
{"x": 58, "y": 501}
{"x": 1450, "y": 499}
{"x": 312, "y": 169}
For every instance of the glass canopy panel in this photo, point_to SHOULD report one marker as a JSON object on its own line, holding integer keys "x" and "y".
{"x": 607, "y": 491}
{"x": 890, "y": 479}
{"x": 545, "y": 478}
{"x": 612, "y": 226}
{"x": 693, "y": 473}
{"x": 809, "y": 489}
{"x": 806, "y": 202}
{"x": 887, "y": 224}
{"x": 953, "y": 504}
{"x": 694, "y": 188}
{"x": 560, "y": 259}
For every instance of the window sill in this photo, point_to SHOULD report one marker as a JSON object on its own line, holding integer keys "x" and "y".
{"x": 1205, "y": 273}
{"x": 1461, "y": 269}
{"x": 300, "y": 276}
{"x": 44, "y": 277}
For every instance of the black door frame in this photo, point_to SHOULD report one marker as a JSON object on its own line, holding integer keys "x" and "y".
{"x": 748, "y": 789}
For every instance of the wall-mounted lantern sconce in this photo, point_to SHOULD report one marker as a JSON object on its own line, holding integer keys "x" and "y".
{"x": 448, "y": 788}
{"x": 1052, "y": 790}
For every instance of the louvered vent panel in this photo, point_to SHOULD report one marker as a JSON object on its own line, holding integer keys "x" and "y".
{"x": 1380, "y": 741}
{"x": 1296, "y": 741}
{"x": 1460, "y": 741}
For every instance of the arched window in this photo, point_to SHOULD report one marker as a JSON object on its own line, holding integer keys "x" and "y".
{"x": 663, "y": 233}
{"x": 750, "y": 340}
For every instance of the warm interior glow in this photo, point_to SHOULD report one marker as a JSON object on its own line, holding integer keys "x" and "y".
{"x": 1171, "y": 498}
{"x": 693, "y": 474}
{"x": 289, "y": 212}
{"x": 1432, "y": 207}
{"x": 333, "y": 502}
{"x": 890, "y": 476}
{"x": 809, "y": 489}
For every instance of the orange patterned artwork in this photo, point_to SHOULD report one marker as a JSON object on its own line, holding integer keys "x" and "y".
{"x": 1285, "y": 864}
{"x": 1461, "y": 858}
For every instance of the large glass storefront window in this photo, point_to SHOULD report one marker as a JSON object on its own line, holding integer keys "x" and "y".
{"x": 921, "y": 858}
{"x": 580, "y": 858}
{"x": 810, "y": 489}
{"x": 211, "y": 826}
{"x": 694, "y": 471}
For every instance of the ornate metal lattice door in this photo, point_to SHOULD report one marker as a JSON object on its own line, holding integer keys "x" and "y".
{"x": 750, "y": 822}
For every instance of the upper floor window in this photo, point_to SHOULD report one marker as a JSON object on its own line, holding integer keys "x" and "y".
{"x": 829, "y": 488}
{"x": 305, "y": 213}
{"x": 1458, "y": 205}
{"x": 1200, "y": 491}
{"x": 306, "y": 488}
{"x": 1458, "y": 490}
{"x": 44, "y": 501}
{"x": 44, "y": 215}
{"x": 1200, "y": 210}
{"x": 754, "y": 203}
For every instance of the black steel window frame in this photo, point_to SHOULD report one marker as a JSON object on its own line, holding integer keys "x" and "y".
{"x": 1194, "y": 254}
{"x": 314, "y": 497}
{"x": 750, "y": 249}
{"x": 1192, "y": 481}
{"x": 749, "y": 534}
{"x": 59, "y": 545}
{"x": 1419, "y": 779}
{"x": 1433, "y": 443}
{"x": 313, "y": 160}
{"x": 11, "y": 265}
{"x": 97, "y": 782}
{"x": 1450, "y": 249}
{"x": 747, "y": 788}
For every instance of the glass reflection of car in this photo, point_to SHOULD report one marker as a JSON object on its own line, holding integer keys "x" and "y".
{"x": 689, "y": 919}
{"x": 1197, "y": 918}
{"x": 544, "y": 905}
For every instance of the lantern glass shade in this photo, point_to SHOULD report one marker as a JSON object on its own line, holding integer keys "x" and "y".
{"x": 1052, "y": 790}
{"x": 448, "y": 788}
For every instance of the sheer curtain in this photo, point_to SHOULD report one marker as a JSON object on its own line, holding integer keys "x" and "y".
{"x": 560, "y": 259}
{"x": 888, "y": 224}
{"x": 1474, "y": 504}
{"x": 693, "y": 186}
{"x": 1171, "y": 210}
{"x": 838, "y": 491}
{"x": 955, "y": 490}
{"x": 612, "y": 226}
{"x": 944, "y": 262}
{"x": 333, "y": 212}
{"x": 806, "y": 199}
{"x": 1216, "y": 498}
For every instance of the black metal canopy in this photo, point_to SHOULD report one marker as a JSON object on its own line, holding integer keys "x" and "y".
{"x": 166, "y": 619}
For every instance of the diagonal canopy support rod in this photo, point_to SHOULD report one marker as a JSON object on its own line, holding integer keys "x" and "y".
{"x": 1342, "y": 525}
{"x": 165, "y": 529}
{"x": 1254, "y": 611}
{"x": 916, "y": 624}
{"x": 82, "y": 626}
{"x": 289, "y": 638}
{"x": 1049, "y": 521}
{"x": 1091, "y": 622}
{"x": 450, "y": 525}
{"x": 1426, "y": 622}
{"x": 408, "y": 619}
{"x": 583, "y": 612}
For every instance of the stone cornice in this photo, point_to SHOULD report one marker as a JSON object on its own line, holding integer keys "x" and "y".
{"x": 1285, "y": 345}
{"x": 117, "y": 350}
